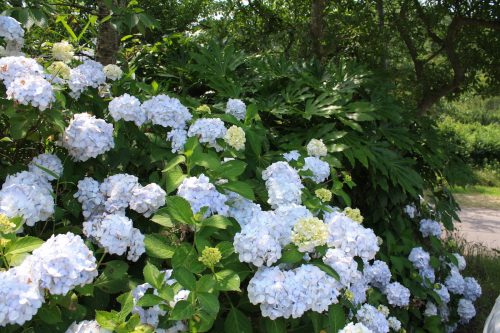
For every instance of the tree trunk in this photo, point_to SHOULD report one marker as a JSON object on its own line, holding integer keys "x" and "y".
{"x": 317, "y": 27}
{"x": 108, "y": 39}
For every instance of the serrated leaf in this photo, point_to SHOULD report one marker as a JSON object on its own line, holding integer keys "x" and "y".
{"x": 23, "y": 245}
{"x": 227, "y": 280}
{"x": 236, "y": 321}
{"x": 158, "y": 246}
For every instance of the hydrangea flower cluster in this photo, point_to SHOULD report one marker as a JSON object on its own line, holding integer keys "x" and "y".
{"x": 51, "y": 267}
{"x": 316, "y": 148}
{"x": 128, "y": 108}
{"x": 372, "y": 318}
{"x": 430, "y": 228}
{"x": 13, "y": 33}
{"x": 320, "y": 169}
{"x": 34, "y": 90}
{"x": 63, "y": 51}
{"x": 87, "y": 137}
{"x": 112, "y": 72}
{"x": 28, "y": 193}
{"x": 88, "y": 74}
{"x": 397, "y": 294}
{"x": 201, "y": 193}
{"x": 377, "y": 274}
{"x": 86, "y": 326}
{"x": 283, "y": 184}
{"x": 104, "y": 208}
{"x": 167, "y": 112}
{"x": 12, "y": 68}
{"x": 282, "y": 293}
{"x": 235, "y": 137}
{"x": 308, "y": 233}
{"x": 355, "y": 328}
{"x": 208, "y": 130}
{"x": 411, "y": 210}
{"x": 421, "y": 261}
{"x": 237, "y": 108}
{"x": 293, "y": 155}
{"x": 151, "y": 316}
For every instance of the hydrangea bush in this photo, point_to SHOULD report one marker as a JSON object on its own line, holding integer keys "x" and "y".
{"x": 133, "y": 209}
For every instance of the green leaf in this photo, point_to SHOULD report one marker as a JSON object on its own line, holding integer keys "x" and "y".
{"x": 185, "y": 278}
{"x": 275, "y": 326}
{"x": 23, "y": 245}
{"x": 327, "y": 269}
{"x": 127, "y": 302}
{"x": 179, "y": 210}
{"x": 187, "y": 257}
{"x": 149, "y": 300}
{"x": 217, "y": 221}
{"x": 161, "y": 217}
{"x": 291, "y": 255}
{"x": 209, "y": 302}
{"x": 241, "y": 188}
{"x": 231, "y": 169}
{"x": 152, "y": 275}
{"x": 227, "y": 280}
{"x": 336, "y": 318}
{"x": 107, "y": 320}
{"x": 174, "y": 162}
{"x": 158, "y": 246}
{"x": 50, "y": 314}
{"x": 237, "y": 322}
{"x": 114, "y": 277}
{"x": 205, "y": 284}
{"x": 182, "y": 310}
{"x": 174, "y": 178}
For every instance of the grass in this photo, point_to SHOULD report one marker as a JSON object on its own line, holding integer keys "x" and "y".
{"x": 478, "y": 196}
{"x": 483, "y": 264}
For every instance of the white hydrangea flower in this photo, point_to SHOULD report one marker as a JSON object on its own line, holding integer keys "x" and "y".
{"x": 32, "y": 201}
{"x": 384, "y": 310}
{"x": 63, "y": 51}
{"x": 87, "y": 137}
{"x": 292, "y": 293}
{"x": 11, "y": 29}
{"x": 345, "y": 265}
{"x": 465, "y": 310}
{"x": 351, "y": 237}
{"x": 201, "y": 193}
{"x": 115, "y": 234}
{"x": 411, "y": 210}
{"x": 237, "y": 108}
{"x": 136, "y": 245}
{"x": 48, "y": 161}
{"x": 178, "y": 138}
{"x": 419, "y": 258}
{"x": 86, "y": 326}
{"x": 308, "y": 233}
{"x": 427, "y": 273}
{"x": 258, "y": 242}
{"x": 286, "y": 217}
{"x": 88, "y": 74}
{"x": 316, "y": 148}
{"x": 167, "y": 112}
{"x": 430, "y": 309}
{"x": 113, "y": 72}
{"x": 148, "y": 199}
{"x": 461, "y": 261}
{"x": 235, "y": 137}
{"x": 320, "y": 169}
{"x": 293, "y": 155}
{"x": 377, "y": 274}
{"x": 372, "y": 318}
{"x": 430, "y": 228}
{"x": 455, "y": 282}
{"x": 128, "y": 108}
{"x": 59, "y": 270}
{"x": 12, "y": 68}
{"x": 283, "y": 184}
{"x": 241, "y": 209}
{"x": 59, "y": 69}
{"x": 34, "y": 90}
{"x": 208, "y": 130}
{"x": 442, "y": 292}
{"x": 472, "y": 289}
{"x": 394, "y": 323}
{"x": 91, "y": 198}
{"x": 397, "y": 294}
{"x": 358, "y": 288}
{"x": 21, "y": 297}
{"x": 27, "y": 178}
{"x": 355, "y": 328}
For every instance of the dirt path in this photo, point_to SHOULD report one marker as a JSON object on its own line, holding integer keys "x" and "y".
{"x": 480, "y": 225}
